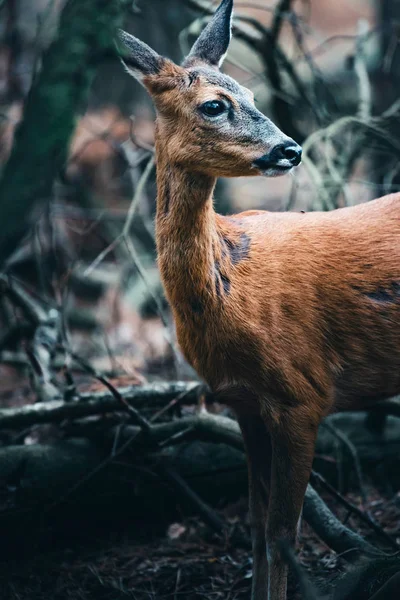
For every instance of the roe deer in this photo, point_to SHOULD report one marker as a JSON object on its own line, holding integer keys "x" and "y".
{"x": 289, "y": 315}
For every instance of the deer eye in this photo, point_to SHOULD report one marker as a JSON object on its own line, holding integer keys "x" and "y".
{"x": 213, "y": 108}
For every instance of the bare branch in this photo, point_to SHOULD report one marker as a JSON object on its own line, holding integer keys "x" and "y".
{"x": 331, "y": 530}
{"x": 365, "y": 517}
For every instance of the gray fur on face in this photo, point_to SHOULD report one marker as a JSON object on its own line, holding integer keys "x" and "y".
{"x": 247, "y": 123}
{"x": 216, "y": 78}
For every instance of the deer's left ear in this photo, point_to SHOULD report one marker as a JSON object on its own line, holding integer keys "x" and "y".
{"x": 138, "y": 58}
{"x": 212, "y": 45}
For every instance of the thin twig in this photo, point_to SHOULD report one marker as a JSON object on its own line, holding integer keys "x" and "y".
{"x": 135, "y": 414}
{"x": 208, "y": 515}
{"x": 353, "y": 453}
{"x": 361, "y": 71}
{"x": 175, "y": 402}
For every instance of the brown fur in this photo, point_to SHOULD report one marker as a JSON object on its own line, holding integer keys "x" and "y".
{"x": 289, "y": 316}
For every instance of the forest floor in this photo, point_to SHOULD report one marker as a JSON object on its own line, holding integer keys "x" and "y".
{"x": 151, "y": 558}
{"x": 178, "y": 561}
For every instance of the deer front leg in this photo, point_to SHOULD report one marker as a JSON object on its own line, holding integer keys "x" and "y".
{"x": 293, "y": 442}
{"x": 257, "y": 442}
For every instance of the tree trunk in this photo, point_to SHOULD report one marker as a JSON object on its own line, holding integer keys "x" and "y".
{"x": 86, "y": 35}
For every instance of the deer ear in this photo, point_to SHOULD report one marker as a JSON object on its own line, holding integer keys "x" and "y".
{"x": 137, "y": 57}
{"x": 212, "y": 45}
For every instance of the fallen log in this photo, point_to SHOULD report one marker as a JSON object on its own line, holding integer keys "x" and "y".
{"x": 96, "y": 404}
{"x": 378, "y": 451}
{"x": 88, "y": 474}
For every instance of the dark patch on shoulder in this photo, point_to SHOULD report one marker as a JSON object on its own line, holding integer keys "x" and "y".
{"x": 224, "y": 249}
{"x": 380, "y": 295}
{"x": 217, "y": 280}
{"x": 395, "y": 285}
{"x": 239, "y": 250}
{"x": 226, "y": 283}
{"x": 220, "y": 278}
{"x": 197, "y": 306}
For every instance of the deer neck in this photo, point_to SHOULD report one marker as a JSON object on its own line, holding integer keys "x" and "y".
{"x": 186, "y": 234}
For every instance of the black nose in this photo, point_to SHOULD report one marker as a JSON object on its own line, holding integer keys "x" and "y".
{"x": 284, "y": 155}
{"x": 289, "y": 151}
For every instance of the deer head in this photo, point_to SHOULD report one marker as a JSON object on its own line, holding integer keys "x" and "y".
{"x": 206, "y": 121}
